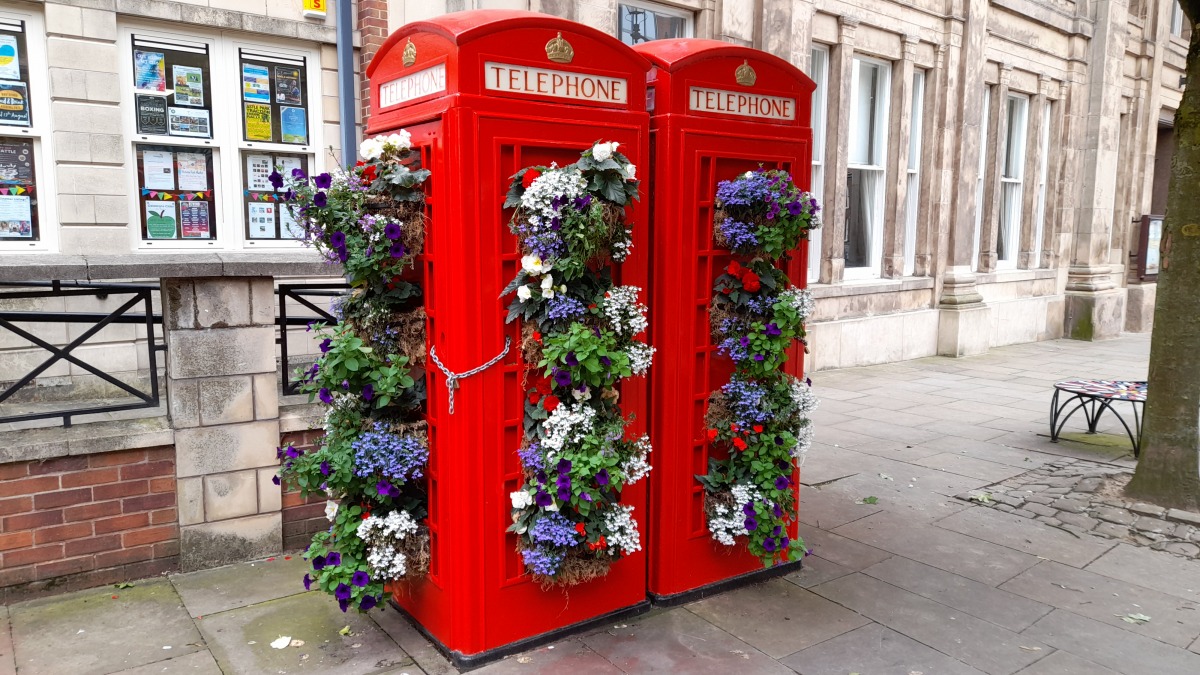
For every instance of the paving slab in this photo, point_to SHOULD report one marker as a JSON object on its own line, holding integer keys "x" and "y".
{"x": 978, "y": 643}
{"x": 196, "y": 663}
{"x": 1025, "y": 535}
{"x": 840, "y": 550}
{"x": 1154, "y": 569}
{"x": 569, "y": 656}
{"x": 224, "y": 588}
{"x": 1005, "y": 609}
{"x": 1111, "y": 647}
{"x": 1172, "y": 619}
{"x": 91, "y": 632}
{"x": 1066, "y": 663}
{"x": 828, "y": 507}
{"x": 920, "y": 500}
{"x": 419, "y": 649}
{"x": 896, "y": 450}
{"x": 876, "y": 429}
{"x": 678, "y": 641}
{"x": 240, "y": 639}
{"x": 875, "y": 650}
{"x": 777, "y": 617}
{"x": 8, "y": 663}
{"x": 946, "y": 550}
{"x": 817, "y": 570}
{"x": 971, "y": 467}
{"x": 975, "y": 432}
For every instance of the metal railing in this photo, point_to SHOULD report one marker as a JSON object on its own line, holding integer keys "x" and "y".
{"x": 301, "y": 293}
{"x": 141, "y": 294}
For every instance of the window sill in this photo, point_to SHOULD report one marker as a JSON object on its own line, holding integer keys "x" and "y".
{"x": 1014, "y": 275}
{"x": 90, "y": 438}
{"x": 870, "y": 287}
{"x": 34, "y": 267}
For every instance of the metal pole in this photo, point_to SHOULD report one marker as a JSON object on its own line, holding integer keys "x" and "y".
{"x": 347, "y": 96}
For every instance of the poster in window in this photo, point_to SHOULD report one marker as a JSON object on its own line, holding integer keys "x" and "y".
{"x": 160, "y": 220}
{"x": 287, "y": 165}
{"x": 256, "y": 83}
{"x": 149, "y": 71}
{"x": 289, "y": 227}
{"x": 293, "y": 125}
{"x": 16, "y": 165}
{"x": 16, "y": 217}
{"x": 14, "y": 104}
{"x": 151, "y": 114}
{"x": 1153, "y": 243}
{"x": 262, "y": 221}
{"x": 158, "y": 168}
{"x": 258, "y": 122}
{"x": 189, "y": 122}
{"x": 10, "y": 62}
{"x": 189, "y": 85}
{"x": 193, "y": 220}
{"x": 193, "y": 171}
{"x": 258, "y": 173}
{"x": 287, "y": 86}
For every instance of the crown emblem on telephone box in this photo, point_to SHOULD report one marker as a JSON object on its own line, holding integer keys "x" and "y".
{"x": 559, "y": 50}
{"x": 745, "y": 74}
{"x": 410, "y": 53}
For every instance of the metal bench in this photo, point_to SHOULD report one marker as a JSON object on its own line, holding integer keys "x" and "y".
{"x": 1094, "y": 397}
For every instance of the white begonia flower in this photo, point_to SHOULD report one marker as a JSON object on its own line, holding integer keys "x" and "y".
{"x": 331, "y": 509}
{"x": 521, "y": 499}
{"x": 548, "y": 286}
{"x": 604, "y": 151}
{"x": 534, "y": 265}
{"x": 400, "y": 141}
{"x": 631, "y": 171}
{"x": 371, "y": 148}
{"x": 523, "y": 293}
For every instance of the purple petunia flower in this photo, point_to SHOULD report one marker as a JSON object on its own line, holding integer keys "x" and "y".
{"x": 368, "y": 602}
{"x": 333, "y": 559}
{"x": 318, "y": 562}
{"x": 368, "y": 392}
{"x": 383, "y": 488}
{"x": 777, "y": 511}
{"x": 744, "y": 341}
{"x": 750, "y": 524}
{"x": 748, "y": 509}
{"x": 564, "y": 493}
{"x": 759, "y": 357}
{"x": 320, "y": 200}
{"x": 275, "y": 480}
{"x": 298, "y": 174}
{"x": 564, "y": 465}
{"x": 346, "y": 385}
{"x": 278, "y": 453}
{"x": 585, "y": 496}
{"x": 392, "y": 231}
{"x": 543, "y": 498}
{"x": 344, "y": 604}
{"x": 325, "y": 469}
{"x": 292, "y": 452}
{"x": 342, "y": 592}
{"x": 325, "y": 345}
{"x": 795, "y": 208}
{"x": 325, "y": 396}
{"x": 784, "y": 542}
{"x": 602, "y": 477}
{"x": 571, "y": 359}
{"x": 769, "y": 545}
{"x": 323, "y": 181}
{"x": 337, "y": 239}
{"x": 772, "y": 330}
{"x": 605, "y": 361}
{"x": 397, "y": 250}
{"x": 307, "y": 583}
{"x": 782, "y": 483}
{"x": 360, "y": 579}
{"x": 777, "y": 531}
{"x": 562, "y": 377}
{"x": 276, "y": 180}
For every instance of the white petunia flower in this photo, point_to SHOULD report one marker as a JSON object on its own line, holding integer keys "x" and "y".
{"x": 523, "y": 293}
{"x": 331, "y": 509}
{"x": 603, "y": 151}
{"x": 748, "y": 174}
{"x": 521, "y": 499}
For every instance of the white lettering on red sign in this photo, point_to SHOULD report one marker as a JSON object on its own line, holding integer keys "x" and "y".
{"x": 413, "y": 86}
{"x": 743, "y": 104}
{"x": 509, "y": 78}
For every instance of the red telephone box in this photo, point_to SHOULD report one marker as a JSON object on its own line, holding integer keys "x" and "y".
{"x": 485, "y": 93}
{"x": 717, "y": 110}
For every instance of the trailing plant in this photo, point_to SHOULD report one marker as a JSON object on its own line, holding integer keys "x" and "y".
{"x": 760, "y": 417}
{"x": 371, "y": 463}
{"x": 580, "y": 338}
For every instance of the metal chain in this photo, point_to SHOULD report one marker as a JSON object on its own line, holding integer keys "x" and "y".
{"x": 453, "y": 378}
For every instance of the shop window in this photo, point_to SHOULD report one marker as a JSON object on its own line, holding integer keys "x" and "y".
{"x": 264, "y": 213}
{"x": 981, "y": 175}
{"x": 645, "y": 21}
{"x": 1012, "y": 181}
{"x": 176, "y": 192}
{"x": 819, "y": 71}
{"x": 869, "y": 87}
{"x": 21, "y": 129}
{"x": 1039, "y": 214}
{"x": 912, "y": 199}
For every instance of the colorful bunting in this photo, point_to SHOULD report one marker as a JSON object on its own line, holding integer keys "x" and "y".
{"x": 168, "y": 196}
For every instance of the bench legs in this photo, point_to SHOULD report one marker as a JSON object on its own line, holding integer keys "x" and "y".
{"x": 1093, "y": 407}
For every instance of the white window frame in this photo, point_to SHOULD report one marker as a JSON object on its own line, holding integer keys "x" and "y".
{"x": 819, "y": 71}
{"x": 883, "y": 107}
{"x": 1039, "y": 215}
{"x": 41, "y": 133}
{"x": 1177, "y": 19}
{"x": 227, "y": 143}
{"x": 982, "y": 175}
{"x": 688, "y": 15}
{"x": 1012, "y": 180}
{"x": 912, "y": 202}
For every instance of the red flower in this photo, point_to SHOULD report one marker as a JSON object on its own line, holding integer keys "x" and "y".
{"x": 734, "y": 269}
{"x": 360, "y": 163}
{"x": 733, "y": 427}
{"x": 550, "y": 403}
{"x": 533, "y": 397}
{"x": 598, "y": 544}
{"x": 750, "y": 282}
{"x": 758, "y": 428}
{"x": 579, "y": 527}
{"x": 726, "y": 291}
{"x": 368, "y": 174}
{"x": 592, "y": 306}
{"x": 537, "y": 337}
{"x": 530, "y": 176}
{"x": 712, "y": 434}
{"x": 366, "y": 514}
{"x": 739, "y": 444}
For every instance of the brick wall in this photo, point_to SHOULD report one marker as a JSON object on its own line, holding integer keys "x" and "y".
{"x": 302, "y": 518}
{"x": 77, "y": 522}
{"x": 373, "y": 25}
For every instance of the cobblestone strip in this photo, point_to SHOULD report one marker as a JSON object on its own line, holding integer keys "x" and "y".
{"x": 1068, "y": 494}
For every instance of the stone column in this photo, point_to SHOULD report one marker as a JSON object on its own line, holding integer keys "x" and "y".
{"x": 964, "y": 321}
{"x": 837, "y": 139}
{"x": 939, "y": 180}
{"x": 900, "y": 128}
{"x": 1095, "y": 307}
{"x": 1033, "y": 168}
{"x": 224, "y": 405}
{"x": 996, "y": 149}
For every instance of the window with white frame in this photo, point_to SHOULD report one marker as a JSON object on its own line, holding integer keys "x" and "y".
{"x": 1012, "y": 180}
{"x": 1039, "y": 214}
{"x": 912, "y": 198}
{"x": 1181, "y": 27}
{"x": 644, "y": 21}
{"x": 214, "y": 117}
{"x": 869, "y": 90}
{"x": 982, "y": 175}
{"x": 25, "y": 221}
{"x": 819, "y": 71}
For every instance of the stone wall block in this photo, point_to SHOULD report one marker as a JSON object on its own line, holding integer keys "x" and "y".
{"x": 230, "y": 495}
{"x": 222, "y": 303}
{"x": 68, "y": 82}
{"x": 85, "y": 117}
{"x": 107, "y": 148}
{"x": 103, "y": 87}
{"x": 179, "y": 310}
{"x": 262, "y": 301}
{"x": 157, "y": 9}
{"x": 76, "y": 208}
{"x": 270, "y": 495}
{"x": 72, "y": 146}
{"x": 209, "y": 450}
{"x": 248, "y": 7}
{"x": 81, "y": 55}
{"x": 183, "y": 399}
{"x": 230, "y": 541}
{"x": 223, "y": 351}
{"x": 94, "y": 180}
{"x": 208, "y": 16}
{"x": 111, "y": 210}
{"x": 266, "y": 396}
{"x": 189, "y": 495}
{"x": 64, "y": 20}
{"x": 226, "y": 400}
{"x": 99, "y": 24}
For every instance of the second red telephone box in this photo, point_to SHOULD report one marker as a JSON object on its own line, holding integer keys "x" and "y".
{"x": 717, "y": 111}
{"x": 484, "y": 94}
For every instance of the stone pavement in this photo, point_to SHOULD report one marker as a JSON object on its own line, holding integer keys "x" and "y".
{"x": 905, "y": 576}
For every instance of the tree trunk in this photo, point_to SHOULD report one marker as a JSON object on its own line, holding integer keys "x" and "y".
{"x": 1168, "y": 471}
